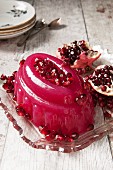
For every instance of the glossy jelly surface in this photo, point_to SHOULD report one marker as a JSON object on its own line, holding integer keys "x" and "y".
{"x": 53, "y": 95}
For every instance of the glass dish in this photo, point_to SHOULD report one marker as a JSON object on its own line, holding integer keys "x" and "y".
{"x": 32, "y": 136}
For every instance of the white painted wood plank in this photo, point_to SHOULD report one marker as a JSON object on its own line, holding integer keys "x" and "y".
{"x": 10, "y": 54}
{"x": 99, "y": 24}
{"x": 8, "y": 63}
{"x": 21, "y": 156}
{"x": 49, "y": 40}
{"x": 3, "y": 132}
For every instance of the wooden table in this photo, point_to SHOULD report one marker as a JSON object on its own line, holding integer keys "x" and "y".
{"x": 91, "y": 20}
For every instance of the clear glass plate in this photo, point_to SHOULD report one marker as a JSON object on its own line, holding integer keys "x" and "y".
{"x": 32, "y": 136}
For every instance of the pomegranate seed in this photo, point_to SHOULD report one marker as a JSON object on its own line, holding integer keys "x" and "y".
{"x": 110, "y": 106}
{"x": 80, "y": 71}
{"x": 102, "y": 104}
{"x": 60, "y": 138}
{"x": 100, "y": 99}
{"x": 75, "y": 136}
{"x": 27, "y": 116}
{"x": 3, "y": 77}
{"x": 5, "y": 86}
{"x": 68, "y": 139}
{"x": 22, "y": 62}
{"x": 50, "y": 137}
{"x": 103, "y": 88}
{"x": 90, "y": 127}
{"x": 20, "y": 110}
{"x": 14, "y": 97}
{"x": 107, "y": 115}
{"x": 45, "y": 131}
{"x": 14, "y": 73}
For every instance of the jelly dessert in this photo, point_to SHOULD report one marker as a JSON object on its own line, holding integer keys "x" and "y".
{"x": 52, "y": 96}
{"x": 79, "y": 55}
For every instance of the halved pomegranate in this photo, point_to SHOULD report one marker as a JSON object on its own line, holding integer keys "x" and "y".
{"x": 102, "y": 80}
{"x": 78, "y": 55}
{"x": 100, "y": 84}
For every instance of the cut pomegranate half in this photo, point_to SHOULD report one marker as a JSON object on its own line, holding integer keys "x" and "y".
{"x": 78, "y": 54}
{"x": 102, "y": 80}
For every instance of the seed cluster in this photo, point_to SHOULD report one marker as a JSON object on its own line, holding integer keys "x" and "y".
{"x": 9, "y": 82}
{"x": 70, "y": 53}
{"x": 50, "y": 71}
{"x": 103, "y": 77}
{"x": 50, "y": 135}
{"x": 105, "y": 102}
{"x": 21, "y": 111}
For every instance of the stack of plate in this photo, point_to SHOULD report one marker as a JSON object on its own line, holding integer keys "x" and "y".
{"x": 16, "y": 17}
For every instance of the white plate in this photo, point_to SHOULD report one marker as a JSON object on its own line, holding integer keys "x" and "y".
{"x": 17, "y": 33}
{"x": 13, "y": 30}
{"x": 15, "y": 13}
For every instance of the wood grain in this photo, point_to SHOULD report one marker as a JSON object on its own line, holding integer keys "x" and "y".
{"x": 10, "y": 54}
{"x": 79, "y": 16}
{"x": 99, "y": 24}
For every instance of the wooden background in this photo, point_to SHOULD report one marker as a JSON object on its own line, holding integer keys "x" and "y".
{"x": 91, "y": 20}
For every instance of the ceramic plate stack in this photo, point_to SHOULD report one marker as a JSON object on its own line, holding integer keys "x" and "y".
{"x": 16, "y": 18}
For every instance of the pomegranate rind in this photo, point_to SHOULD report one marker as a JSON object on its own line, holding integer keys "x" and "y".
{"x": 85, "y": 60}
{"x": 87, "y": 57}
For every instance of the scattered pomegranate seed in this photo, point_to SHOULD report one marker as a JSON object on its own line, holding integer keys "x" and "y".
{"x": 45, "y": 131}
{"x": 20, "y": 110}
{"x": 107, "y": 115}
{"x": 14, "y": 97}
{"x": 22, "y": 62}
{"x": 5, "y": 86}
{"x": 60, "y": 138}
{"x": 50, "y": 137}
{"x": 68, "y": 139}
{"x": 80, "y": 99}
{"x": 3, "y": 77}
{"x": 90, "y": 127}
{"x": 75, "y": 136}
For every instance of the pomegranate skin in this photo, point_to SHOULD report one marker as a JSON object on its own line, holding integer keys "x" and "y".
{"x": 63, "y": 109}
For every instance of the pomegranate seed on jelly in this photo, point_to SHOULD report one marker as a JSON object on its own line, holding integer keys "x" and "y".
{"x": 52, "y": 73}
